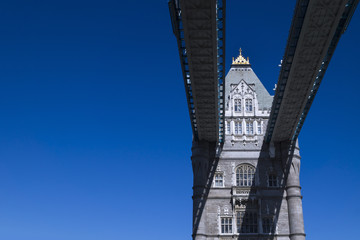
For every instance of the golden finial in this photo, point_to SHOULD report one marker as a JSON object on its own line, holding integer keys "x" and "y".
{"x": 241, "y": 60}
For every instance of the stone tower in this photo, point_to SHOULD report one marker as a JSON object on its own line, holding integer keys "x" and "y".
{"x": 244, "y": 190}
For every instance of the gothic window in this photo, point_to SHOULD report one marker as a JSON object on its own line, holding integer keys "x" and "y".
{"x": 268, "y": 223}
{"x": 219, "y": 180}
{"x": 248, "y": 105}
{"x": 245, "y": 175}
{"x": 238, "y": 128}
{"x": 227, "y": 127}
{"x": 272, "y": 181}
{"x": 259, "y": 130}
{"x": 249, "y": 127}
{"x": 246, "y": 221}
{"x": 237, "y": 105}
{"x": 226, "y": 225}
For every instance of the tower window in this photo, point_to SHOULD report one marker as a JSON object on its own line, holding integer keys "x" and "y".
{"x": 237, "y": 105}
{"x": 272, "y": 181}
{"x": 259, "y": 130}
{"x": 227, "y": 127}
{"x": 219, "y": 180}
{"x": 226, "y": 225}
{"x": 245, "y": 176}
{"x": 249, "y": 128}
{"x": 238, "y": 128}
{"x": 268, "y": 223}
{"x": 246, "y": 222}
{"x": 248, "y": 105}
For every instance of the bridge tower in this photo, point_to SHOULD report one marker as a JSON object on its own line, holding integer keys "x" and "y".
{"x": 244, "y": 190}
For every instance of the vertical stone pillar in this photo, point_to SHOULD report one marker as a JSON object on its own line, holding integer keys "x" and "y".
{"x": 293, "y": 192}
{"x": 200, "y": 164}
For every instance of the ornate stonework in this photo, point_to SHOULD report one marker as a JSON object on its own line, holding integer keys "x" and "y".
{"x": 240, "y": 60}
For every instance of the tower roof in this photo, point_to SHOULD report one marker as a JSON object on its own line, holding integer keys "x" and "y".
{"x": 241, "y": 70}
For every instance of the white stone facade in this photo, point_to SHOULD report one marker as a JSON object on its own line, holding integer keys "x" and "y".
{"x": 244, "y": 195}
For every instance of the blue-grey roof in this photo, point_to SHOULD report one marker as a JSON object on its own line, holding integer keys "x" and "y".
{"x": 239, "y": 72}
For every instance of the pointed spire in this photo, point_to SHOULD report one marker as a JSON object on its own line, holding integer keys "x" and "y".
{"x": 240, "y": 60}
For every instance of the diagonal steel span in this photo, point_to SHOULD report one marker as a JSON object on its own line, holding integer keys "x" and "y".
{"x": 316, "y": 28}
{"x": 199, "y": 26}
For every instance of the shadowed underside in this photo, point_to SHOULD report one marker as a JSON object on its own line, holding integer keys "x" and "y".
{"x": 199, "y": 26}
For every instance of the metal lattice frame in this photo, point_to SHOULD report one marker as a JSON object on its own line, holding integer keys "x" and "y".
{"x": 220, "y": 24}
{"x": 341, "y": 28}
{"x": 200, "y": 30}
{"x": 178, "y": 29}
{"x": 315, "y": 31}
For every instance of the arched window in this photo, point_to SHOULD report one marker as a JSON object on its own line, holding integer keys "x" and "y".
{"x": 248, "y": 105}
{"x": 245, "y": 175}
{"x": 237, "y": 105}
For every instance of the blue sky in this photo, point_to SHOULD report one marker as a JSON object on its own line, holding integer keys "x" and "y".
{"x": 95, "y": 137}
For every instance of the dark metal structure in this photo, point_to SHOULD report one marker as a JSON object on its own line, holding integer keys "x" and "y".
{"x": 316, "y": 28}
{"x": 199, "y": 26}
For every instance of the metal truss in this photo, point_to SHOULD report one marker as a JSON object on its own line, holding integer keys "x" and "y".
{"x": 202, "y": 62}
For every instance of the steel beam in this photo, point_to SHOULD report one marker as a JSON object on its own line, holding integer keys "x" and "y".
{"x": 316, "y": 28}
